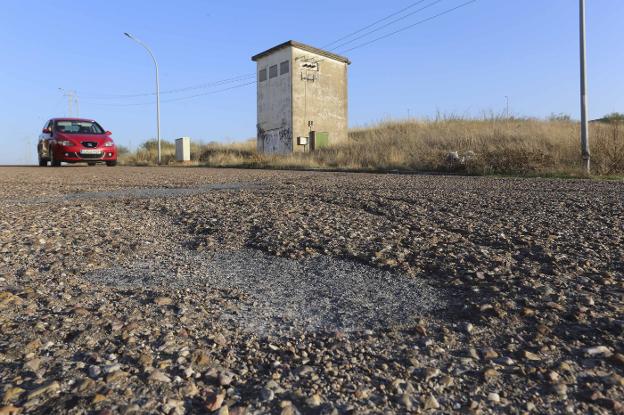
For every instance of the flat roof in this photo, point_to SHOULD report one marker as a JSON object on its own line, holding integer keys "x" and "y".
{"x": 301, "y": 46}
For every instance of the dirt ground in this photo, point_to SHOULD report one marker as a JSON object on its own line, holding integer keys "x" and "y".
{"x": 192, "y": 290}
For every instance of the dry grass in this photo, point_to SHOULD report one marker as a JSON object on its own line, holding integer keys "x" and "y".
{"x": 484, "y": 146}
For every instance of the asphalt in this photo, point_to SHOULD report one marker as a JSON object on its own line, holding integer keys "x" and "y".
{"x": 280, "y": 295}
{"x": 192, "y": 290}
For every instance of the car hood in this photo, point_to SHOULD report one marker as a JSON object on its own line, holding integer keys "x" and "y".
{"x": 79, "y": 138}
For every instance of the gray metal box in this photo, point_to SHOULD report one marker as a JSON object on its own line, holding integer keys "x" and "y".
{"x": 183, "y": 149}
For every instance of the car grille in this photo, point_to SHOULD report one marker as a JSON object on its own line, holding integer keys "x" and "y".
{"x": 91, "y": 156}
{"x": 89, "y": 144}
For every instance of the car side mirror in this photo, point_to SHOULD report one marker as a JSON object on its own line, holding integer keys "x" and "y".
{"x": 46, "y": 130}
{"x": 108, "y": 133}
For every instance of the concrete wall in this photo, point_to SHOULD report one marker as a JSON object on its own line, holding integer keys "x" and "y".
{"x": 323, "y": 100}
{"x": 275, "y": 105}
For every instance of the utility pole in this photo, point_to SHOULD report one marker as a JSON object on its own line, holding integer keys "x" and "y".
{"x": 506, "y": 107}
{"x": 72, "y": 98}
{"x": 584, "y": 121}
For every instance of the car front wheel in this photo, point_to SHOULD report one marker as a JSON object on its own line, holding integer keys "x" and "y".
{"x": 111, "y": 163}
{"x": 53, "y": 161}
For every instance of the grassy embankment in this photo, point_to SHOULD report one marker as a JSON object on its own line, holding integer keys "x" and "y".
{"x": 484, "y": 146}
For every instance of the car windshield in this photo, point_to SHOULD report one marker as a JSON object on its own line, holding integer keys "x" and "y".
{"x": 78, "y": 127}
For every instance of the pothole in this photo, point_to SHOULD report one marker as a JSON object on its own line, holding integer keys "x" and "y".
{"x": 319, "y": 293}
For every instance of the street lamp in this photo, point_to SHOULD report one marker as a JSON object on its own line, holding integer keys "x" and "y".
{"x": 157, "y": 90}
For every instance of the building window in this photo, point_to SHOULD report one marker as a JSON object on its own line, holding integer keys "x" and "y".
{"x": 284, "y": 67}
{"x": 273, "y": 71}
{"x": 262, "y": 75}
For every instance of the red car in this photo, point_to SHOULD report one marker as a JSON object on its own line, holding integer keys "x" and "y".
{"x": 75, "y": 140}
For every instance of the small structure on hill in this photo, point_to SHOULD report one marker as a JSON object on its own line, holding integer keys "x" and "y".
{"x": 302, "y": 98}
{"x": 183, "y": 149}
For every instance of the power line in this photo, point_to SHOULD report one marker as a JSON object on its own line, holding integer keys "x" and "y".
{"x": 178, "y": 90}
{"x": 210, "y": 93}
{"x": 409, "y": 27}
{"x": 373, "y": 24}
{"x": 249, "y": 76}
{"x": 387, "y": 24}
{"x": 173, "y": 99}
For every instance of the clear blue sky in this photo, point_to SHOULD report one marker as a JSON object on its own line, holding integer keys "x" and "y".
{"x": 464, "y": 62}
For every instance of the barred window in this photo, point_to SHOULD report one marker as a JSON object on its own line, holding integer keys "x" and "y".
{"x": 273, "y": 71}
{"x": 262, "y": 75}
{"x": 284, "y": 67}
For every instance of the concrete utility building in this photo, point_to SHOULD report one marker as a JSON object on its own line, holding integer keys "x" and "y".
{"x": 302, "y": 98}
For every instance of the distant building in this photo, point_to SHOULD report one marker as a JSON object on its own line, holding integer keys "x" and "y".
{"x": 302, "y": 93}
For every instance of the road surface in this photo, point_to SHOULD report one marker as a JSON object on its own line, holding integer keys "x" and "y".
{"x": 182, "y": 290}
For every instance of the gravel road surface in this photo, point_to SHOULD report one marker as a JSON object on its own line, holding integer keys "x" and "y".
{"x": 191, "y": 290}
{"x": 320, "y": 293}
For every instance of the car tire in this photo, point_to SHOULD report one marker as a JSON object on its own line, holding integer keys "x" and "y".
{"x": 53, "y": 162}
{"x": 43, "y": 162}
{"x": 111, "y": 163}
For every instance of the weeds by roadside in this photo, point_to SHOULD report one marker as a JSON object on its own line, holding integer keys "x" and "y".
{"x": 491, "y": 145}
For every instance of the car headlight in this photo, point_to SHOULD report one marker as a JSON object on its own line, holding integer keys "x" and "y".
{"x": 66, "y": 143}
{"x": 109, "y": 144}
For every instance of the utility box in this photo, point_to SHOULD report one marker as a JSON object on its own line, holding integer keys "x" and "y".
{"x": 318, "y": 140}
{"x": 183, "y": 149}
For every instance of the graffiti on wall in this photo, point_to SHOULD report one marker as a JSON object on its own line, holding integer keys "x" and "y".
{"x": 276, "y": 141}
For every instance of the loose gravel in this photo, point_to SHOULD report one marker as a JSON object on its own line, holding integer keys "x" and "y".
{"x": 190, "y": 290}
{"x": 134, "y": 193}
{"x": 320, "y": 293}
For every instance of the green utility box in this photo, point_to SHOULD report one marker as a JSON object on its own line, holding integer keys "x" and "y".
{"x": 318, "y": 140}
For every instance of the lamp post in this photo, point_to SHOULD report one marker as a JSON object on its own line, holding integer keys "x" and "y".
{"x": 157, "y": 90}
